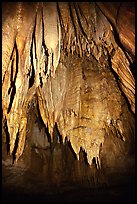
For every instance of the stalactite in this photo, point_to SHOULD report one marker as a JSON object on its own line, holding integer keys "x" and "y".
{"x": 79, "y": 105}
{"x": 22, "y": 136}
{"x": 52, "y": 34}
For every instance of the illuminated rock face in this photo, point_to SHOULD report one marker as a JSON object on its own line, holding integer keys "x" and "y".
{"x": 81, "y": 105}
{"x": 71, "y": 75}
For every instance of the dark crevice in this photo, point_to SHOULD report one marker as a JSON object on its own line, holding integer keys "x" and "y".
{"x": 57, "y": 139}
{"x": 31, "y": 79}
{"x": 11, "y": 75}
{"x": 12, "y": 51}
{"x": 34, "y": 37}
{"x": 71, "y": 148}
{"x": 44, "y": 46}
{"x": 42, "y": 124}
{"x": 13, "y": 87}
{"x": 40, "y": 78}
{"x": 132, "y": 68}
{"x": 94, "y": 160}
{"x": 84, "y": 156}
{"x": 118, "y": 134}
{"x": 7, "y": 135}
{"x": 56, "y": 135}
{"x": 15, "y": 146}
{"x": 32, "y": 56}
{"x": 11, "y": 78}
{"x": 48, "y": 134}
{"x": 52, "y": 58}
{"x": 12, "y": 98}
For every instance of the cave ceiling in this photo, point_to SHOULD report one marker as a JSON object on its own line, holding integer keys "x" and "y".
{"x": 77, "y": 60}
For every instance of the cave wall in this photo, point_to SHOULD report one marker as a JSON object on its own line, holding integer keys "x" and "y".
{"x": 68, "y": 91}
{"x": 52, "y": 154}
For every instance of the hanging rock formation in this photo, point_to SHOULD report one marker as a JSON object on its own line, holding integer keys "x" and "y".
{"x": 67, "y": 57}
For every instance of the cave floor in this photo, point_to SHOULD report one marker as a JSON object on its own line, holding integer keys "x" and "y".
{"x": 21, "y": 185}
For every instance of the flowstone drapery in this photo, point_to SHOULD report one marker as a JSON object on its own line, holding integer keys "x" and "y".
{"x": 64, "y": 53}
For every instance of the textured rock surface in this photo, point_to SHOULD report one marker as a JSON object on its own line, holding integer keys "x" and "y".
{"x": 31, "y": 64}
{"x": 122, "y": 16}
{"x": 82, "y": 109}
{"x": 68, "y": 94}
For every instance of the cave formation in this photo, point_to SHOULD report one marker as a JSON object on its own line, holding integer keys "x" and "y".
{"x": 68, "y": 101}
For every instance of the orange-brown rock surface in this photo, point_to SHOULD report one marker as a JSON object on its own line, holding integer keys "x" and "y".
{"x": 66, "y": 65}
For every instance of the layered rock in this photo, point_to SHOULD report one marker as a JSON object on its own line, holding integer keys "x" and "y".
{"x": 80, "y": 97}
